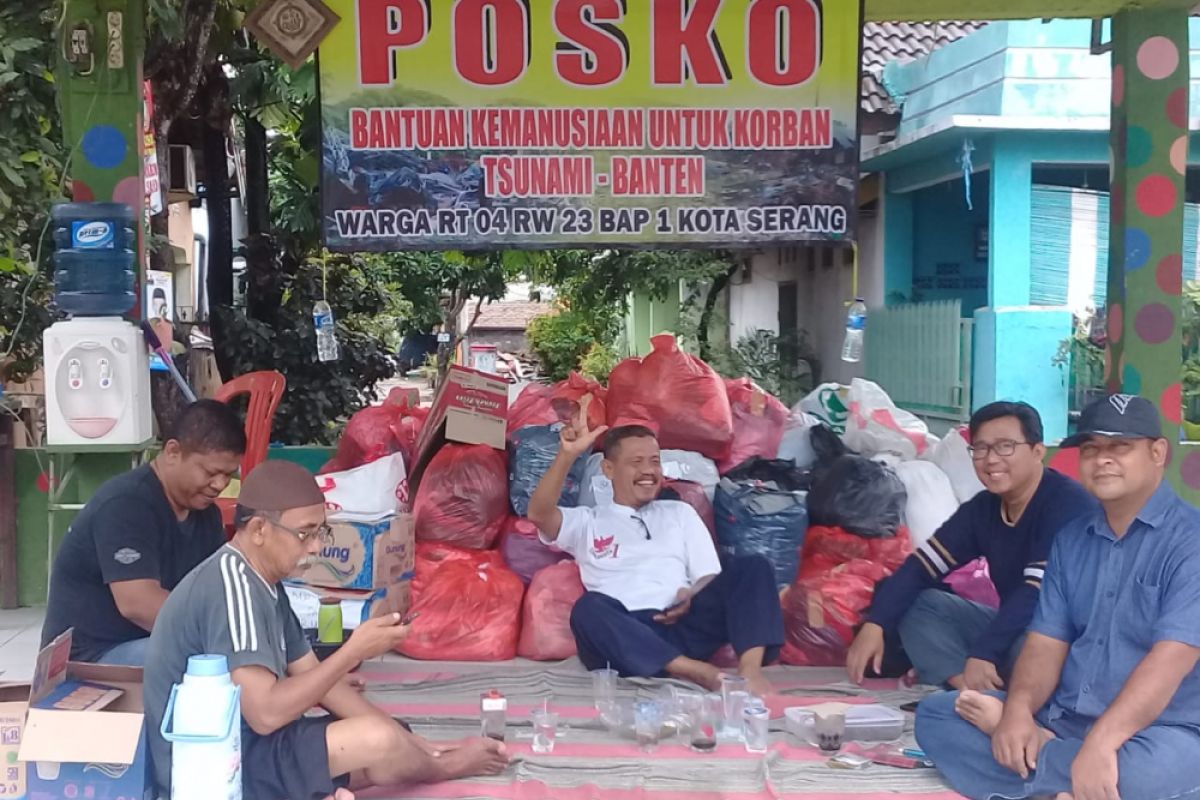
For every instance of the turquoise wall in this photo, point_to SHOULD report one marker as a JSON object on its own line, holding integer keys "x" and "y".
{"x": 1014, "y": 353}
{"x": 1015, "y": 69}
{"x": 945, "y": 266}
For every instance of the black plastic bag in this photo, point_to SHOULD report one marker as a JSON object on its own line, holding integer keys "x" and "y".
{"x": 760, "y": 509}
{"x": 827, "y": 446}
{"x": 858, "y": 495}
{"x": 532, "y": 450}
{"x": 783, "y": 472}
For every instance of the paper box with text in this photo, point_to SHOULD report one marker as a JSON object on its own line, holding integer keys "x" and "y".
{"x": 84, "y": 734}
{"x": 14, "y": 700}
{"x": 470, "y": 407}
{"x": 365, "y": 555}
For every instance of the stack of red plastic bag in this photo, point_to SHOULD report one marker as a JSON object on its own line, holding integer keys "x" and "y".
{"x": 467, "y": 606}
{"x": 463, "y": 496}
{"x": 675, "y": 394}
{"x": 539, "y": 404}
{"x": 523, "y": 550}
{"x": 378, "y": 431}
{"x": 759, "y": 420}
{"x": 546, "y": 621}
{"x": 838, "y": 574}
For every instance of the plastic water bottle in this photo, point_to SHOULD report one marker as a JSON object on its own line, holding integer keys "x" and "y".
{"x": 327, "y": 345}
{"x": 856, "y": 323}
{"x": 203, "y": 724}
{"x": 94, "y": 258}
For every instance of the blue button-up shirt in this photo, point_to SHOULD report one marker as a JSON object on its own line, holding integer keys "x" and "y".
{"x": 1112, "y": 599}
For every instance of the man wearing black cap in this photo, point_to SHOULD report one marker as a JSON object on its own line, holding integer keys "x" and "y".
{"x": 234, "y": 605}
{"x": 1105, "y": 699}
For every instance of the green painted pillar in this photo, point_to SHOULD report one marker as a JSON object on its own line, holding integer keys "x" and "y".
{"x": 100, "y": 94}
{"x": 1149, "y": 156}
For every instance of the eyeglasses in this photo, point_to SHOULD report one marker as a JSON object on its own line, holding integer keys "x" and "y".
{"x": 1002, "y": 448}
{"x": 642, "y": 522}
{"x": 323, "y": 534}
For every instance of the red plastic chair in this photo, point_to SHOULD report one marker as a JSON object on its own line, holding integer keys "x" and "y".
{"x": 265, "y": 390}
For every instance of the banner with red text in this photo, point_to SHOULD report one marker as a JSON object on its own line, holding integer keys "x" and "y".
{"x": 467, "y": 124}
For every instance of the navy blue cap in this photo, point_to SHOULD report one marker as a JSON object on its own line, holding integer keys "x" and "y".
{"x": 1118, "y": 416}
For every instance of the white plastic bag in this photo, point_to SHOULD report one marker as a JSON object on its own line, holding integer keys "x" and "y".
{"x": 796, "y": 445}
{"x": 595, "y": 489}
{"x": 954, "y": 459}
{"x": 367, "y": 493}
{"x": 828, "y": 404}
{"x": 682, "y": 465}
{"x": 876, "y": 425}
{"x": 930, "y": 501}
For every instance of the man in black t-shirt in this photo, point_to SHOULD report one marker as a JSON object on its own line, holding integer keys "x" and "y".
{"x": 140, "y": 535}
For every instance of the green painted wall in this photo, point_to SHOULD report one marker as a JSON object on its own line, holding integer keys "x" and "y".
{"x": 92, "y": 471}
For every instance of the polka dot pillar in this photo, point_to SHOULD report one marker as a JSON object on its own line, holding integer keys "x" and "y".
{"x": 102, "y": 113}
{"x": 1149, "y": 152}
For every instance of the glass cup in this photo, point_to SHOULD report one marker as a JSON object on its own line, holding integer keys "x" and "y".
{"x": 647, "y": 723}
{"x": 604, "y": 693}
{"x": 829, "y": 730}
{"x": 545, "y": 730}
{"x": 702, "y": 714}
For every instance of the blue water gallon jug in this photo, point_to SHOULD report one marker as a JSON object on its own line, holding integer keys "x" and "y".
{"x": 95, "y": 258}
{"x": 202, "y": 722}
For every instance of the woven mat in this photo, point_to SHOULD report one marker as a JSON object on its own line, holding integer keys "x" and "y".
{"x": 441, "y": 701}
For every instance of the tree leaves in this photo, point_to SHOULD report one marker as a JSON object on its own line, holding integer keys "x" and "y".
{"x": 31, "y": 155}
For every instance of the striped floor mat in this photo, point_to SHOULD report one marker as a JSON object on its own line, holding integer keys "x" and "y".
{"x": 441, "y": 701}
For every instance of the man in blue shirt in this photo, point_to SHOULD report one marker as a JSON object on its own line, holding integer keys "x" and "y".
{"x": 1105, "y": 699}
{"x": 952, "y": 641}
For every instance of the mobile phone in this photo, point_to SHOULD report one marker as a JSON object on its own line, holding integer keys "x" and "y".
{"x": 408, "y": 618}
{"x": 912, "y": 707}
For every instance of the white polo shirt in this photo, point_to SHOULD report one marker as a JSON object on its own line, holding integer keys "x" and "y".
{"x": 616, "y": 556}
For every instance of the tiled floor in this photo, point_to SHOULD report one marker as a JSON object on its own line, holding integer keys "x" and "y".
{"x": 20, "y": 633}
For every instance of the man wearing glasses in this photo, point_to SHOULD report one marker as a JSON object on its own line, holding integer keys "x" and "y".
{"x": 952, "y": 641}
{"x": 1105, "y": 699}
{"x": 234, "y": 605}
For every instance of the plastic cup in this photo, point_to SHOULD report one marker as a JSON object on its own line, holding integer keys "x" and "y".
{"x": 545, "y": 730}
{"x": 756, "y": 727}
{"x": 604, "y": 693}
{"x": 734, "y": 693}
{"x": 830, "y": 730}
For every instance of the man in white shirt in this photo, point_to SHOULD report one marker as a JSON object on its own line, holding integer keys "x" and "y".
{"x": 658, "y": 600}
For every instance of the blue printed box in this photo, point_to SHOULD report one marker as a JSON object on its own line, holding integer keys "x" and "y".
{"x": 72, "y": 754}
{"x": 365, "y": 555}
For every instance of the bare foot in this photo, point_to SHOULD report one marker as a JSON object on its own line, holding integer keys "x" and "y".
{"x": 757, "y": 684}
{"x": 475, "y": 756}
{"x": 697, "y": 672}
{"x": 981, "y": 710}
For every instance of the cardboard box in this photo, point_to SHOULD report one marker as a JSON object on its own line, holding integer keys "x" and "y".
{"x": 470, "y": 407}
{"x": 365, "y": 555}
{"x": 14, "y": 700}
{"x": 81, "y": 754}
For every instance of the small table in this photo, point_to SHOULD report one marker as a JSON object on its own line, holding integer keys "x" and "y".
{"x": 61, "y": 458}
